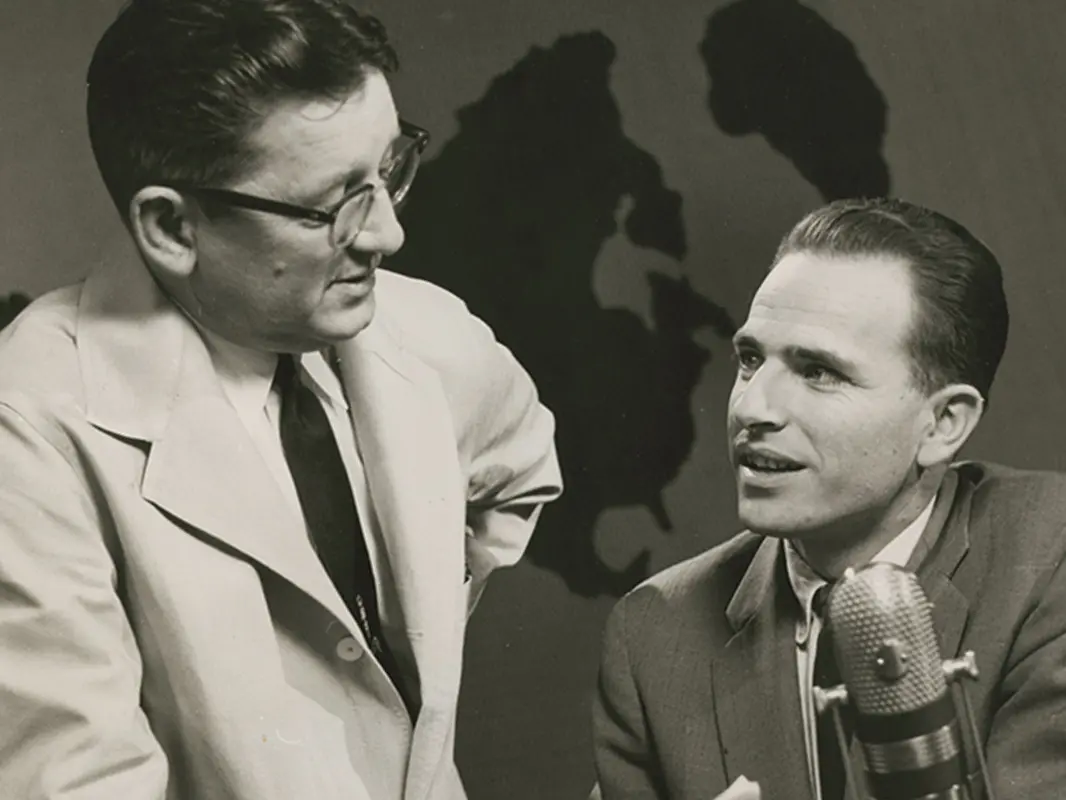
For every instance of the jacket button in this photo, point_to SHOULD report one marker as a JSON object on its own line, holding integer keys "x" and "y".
{"x": 348, "y": 649}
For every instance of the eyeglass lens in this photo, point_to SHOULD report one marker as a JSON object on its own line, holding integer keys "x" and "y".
{"x": 352, "y": 216}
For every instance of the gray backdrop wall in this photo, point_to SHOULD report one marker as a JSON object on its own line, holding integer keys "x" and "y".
{"x": 606, "y": 184}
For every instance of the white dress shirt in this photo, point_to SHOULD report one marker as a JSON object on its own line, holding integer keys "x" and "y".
{"x": 805, "y": 582}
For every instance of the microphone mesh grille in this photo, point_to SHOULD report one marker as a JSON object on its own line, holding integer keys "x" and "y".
{"x": 877, "y": 611}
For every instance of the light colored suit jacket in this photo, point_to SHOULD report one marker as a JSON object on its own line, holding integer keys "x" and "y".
{"x": 698, "y": 680}
{"x": 166, "y": 630}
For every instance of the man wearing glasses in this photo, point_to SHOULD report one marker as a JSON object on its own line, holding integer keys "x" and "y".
{"x": 252, "y": 483}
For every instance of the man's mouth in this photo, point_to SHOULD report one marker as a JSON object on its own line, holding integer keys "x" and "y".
{"x": 766, "y": 463}
{"x": 364, "y": 273}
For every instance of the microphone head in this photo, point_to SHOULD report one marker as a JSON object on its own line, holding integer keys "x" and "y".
{"x": 887, "y": 650}
{"x": 884, "y": 640}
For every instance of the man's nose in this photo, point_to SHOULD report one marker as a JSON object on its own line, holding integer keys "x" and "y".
{"x": 760, "y": 400}
{"x": 381, "y": 232}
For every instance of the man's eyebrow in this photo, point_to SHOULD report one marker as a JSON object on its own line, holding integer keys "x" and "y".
{"x": 745, "y": 339}
{"x": 817, "y": 354}
{"x": 320, "y": 195}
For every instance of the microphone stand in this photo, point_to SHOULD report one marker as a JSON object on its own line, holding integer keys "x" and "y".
{"x": 831, "y": 701}
{"x": 955, "y": 669}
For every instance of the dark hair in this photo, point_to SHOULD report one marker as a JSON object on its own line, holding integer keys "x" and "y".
{"x": 960, "y": 329}
{"x": 175, "y": 87}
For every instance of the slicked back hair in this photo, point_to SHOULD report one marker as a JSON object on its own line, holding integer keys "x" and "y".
{"x": 960, "y": 327}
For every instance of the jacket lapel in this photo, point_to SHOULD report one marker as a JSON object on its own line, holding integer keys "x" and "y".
{"x": 149, "y": 377}
{"x": 756, "y": 686}
{"x": 207, "y": 472}
{"x": 943, "y": 545}
{"x": 405, "y": 434}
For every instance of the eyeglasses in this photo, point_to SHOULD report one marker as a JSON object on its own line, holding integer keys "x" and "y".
{"x": 347, "y": 217}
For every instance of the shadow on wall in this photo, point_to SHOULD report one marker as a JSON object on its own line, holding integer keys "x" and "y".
{"x": 780, "y": 70}
{"x": 511, "y": 216}
{"x": 11, "y": 306}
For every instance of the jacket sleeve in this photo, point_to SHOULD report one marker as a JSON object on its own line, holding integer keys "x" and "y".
{"x": 506, "y": 439}
{"x": 72, "y": 726}
{"x": 1026, "y": 747}
{"x": 623, "y": 751}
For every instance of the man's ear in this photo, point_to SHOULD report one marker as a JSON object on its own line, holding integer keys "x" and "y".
{"x": 953, "y": 413}
{"x": 164, "y": 228}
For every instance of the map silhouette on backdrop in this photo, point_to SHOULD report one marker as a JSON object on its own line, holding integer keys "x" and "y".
{"x": 779, "y": 69}
{"x": 511, "y": 216}
{"x": 513, "y": 212}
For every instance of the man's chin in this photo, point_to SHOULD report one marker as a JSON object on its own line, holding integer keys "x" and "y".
{"x": 347, "y": 323}
{"x": 778, "y": 525}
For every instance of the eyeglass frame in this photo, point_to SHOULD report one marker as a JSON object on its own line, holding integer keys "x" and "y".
{"x": 326, "y": 216}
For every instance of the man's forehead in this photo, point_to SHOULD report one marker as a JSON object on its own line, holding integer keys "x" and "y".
{"x": 312, "y": 134}
{"x": 824, "y": 300}
{"x": 311, "y": 118}
{"x": 834, "y": 279}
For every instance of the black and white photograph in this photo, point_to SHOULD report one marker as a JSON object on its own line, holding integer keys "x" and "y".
{"x": 513, "y": 400}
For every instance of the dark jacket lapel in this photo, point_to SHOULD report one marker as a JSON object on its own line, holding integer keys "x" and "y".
{"x": 941, "y": 549}
{"x": 756, "y": 687}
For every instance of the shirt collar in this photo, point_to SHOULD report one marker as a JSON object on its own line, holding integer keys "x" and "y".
{"x": 323, "y": 377}
{"x": 247, "y": 374}
{"x": 805, "y": 581}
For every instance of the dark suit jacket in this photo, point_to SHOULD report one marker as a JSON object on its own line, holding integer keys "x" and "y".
{"x": 698, "y": 679}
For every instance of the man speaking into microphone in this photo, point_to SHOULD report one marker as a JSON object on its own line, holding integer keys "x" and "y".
{"x": 864, "y": 366}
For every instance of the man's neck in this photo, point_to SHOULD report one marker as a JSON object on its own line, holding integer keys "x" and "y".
{"x": 850, "y": 547}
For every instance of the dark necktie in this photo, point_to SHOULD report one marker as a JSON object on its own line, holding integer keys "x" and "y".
{"x": 328, "y": 506}
{"x": 827, "y": 675}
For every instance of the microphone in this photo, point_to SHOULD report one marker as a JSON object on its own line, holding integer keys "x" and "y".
{"x": 897, "y": 686}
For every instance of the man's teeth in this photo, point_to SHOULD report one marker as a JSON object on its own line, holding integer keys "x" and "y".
{"x": 763, "y": 462}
